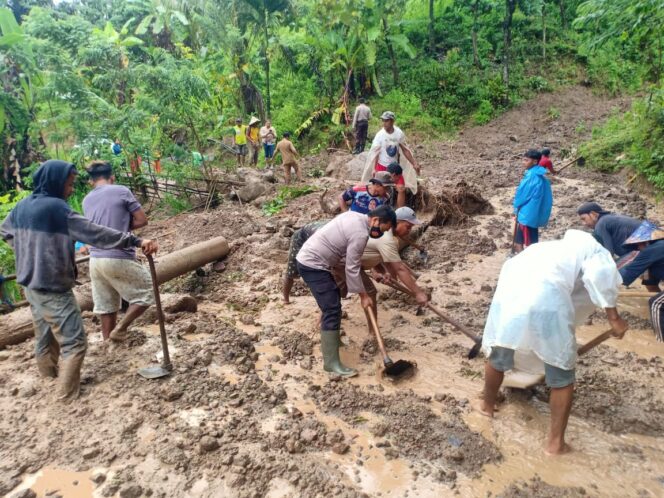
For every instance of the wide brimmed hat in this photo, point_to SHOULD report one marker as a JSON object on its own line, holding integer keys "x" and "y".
{"x": 645, "y": 232}
{"x": 254, "y": 120}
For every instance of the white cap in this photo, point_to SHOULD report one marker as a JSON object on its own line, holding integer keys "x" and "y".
{"x": 407, "y": 214}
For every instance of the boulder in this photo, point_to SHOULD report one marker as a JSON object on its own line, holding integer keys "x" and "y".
{"x": 347, "y": 166}
{"x": 252, "y": 190}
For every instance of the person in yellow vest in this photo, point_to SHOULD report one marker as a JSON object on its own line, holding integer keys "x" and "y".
{"x": 254, "y": 140}
{"x": 240, "y": 131}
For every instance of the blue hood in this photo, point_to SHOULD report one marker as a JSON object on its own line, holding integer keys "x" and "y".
{"x": 534, "y": 199}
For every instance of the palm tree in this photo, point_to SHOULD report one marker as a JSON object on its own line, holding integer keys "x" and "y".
{"x": 263, "y": 17}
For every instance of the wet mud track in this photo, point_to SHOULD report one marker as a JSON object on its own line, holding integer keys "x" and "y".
{"x": 248, "y": 411}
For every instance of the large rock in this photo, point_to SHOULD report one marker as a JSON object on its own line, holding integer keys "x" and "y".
{"x": 252, "y": 190}
{"x": 347, "y": 166}
{"x": 257, "y": 183}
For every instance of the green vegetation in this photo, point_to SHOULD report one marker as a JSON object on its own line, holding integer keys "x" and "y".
{"x": 627, "y": 52}
{"x": 168, "y": 77}
{"x": 285, "y": 194}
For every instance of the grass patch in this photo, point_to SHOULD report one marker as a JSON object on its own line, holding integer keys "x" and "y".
{"x": 285, "y": 195}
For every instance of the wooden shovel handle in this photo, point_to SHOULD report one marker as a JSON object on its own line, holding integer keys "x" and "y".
{"x": 462, "y": 328}
{"x": 379, "y": 338}
{"x": 594, "y": 342}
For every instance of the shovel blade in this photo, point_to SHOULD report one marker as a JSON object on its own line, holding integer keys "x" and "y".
{"x": 398, "y": 368}
{"x": 475, "y": 350}
{"x": 153, "y": 372}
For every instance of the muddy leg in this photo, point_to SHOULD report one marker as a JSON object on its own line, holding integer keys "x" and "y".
{"x": 296, "y": 166}
{"x": 560, "y": 401}
{"x": 133, "y": 312}
{"x": 108, "y": 321}
{"x": 492, "y": 380}
{"x": 286, "y": 289}
{"x": 287, "y": 173}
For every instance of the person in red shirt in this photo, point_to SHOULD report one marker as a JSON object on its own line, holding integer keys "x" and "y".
{"x": 396, "y": 172}
{"x": 545, "y": 161}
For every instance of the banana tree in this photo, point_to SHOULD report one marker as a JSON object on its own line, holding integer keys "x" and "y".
{"x": 18, "y": 76}
{"x": 161, "y": 18}
{"x": 121, "y": 41}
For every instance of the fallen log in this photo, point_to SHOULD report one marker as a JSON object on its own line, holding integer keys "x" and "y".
{"x": 16, "y": 327}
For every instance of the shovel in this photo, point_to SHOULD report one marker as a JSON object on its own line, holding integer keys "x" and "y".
{"x": 474, "y": 351}
{"x": 166, "y": 366}
{"x": 392, "y": 369}
{"x": 581, "y": 160}
{"x": 523, "y": 379}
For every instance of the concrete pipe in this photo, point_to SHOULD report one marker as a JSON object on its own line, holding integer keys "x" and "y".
{"x": 16, "y": 327}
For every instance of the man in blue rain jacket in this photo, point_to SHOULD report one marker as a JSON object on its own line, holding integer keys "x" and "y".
{"x": 532, "y": 202}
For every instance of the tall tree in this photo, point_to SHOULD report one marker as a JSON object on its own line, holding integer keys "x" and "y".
{"x": 432, "y": 31}
{"x": 510, "y": 7}
{"x": 265, "y": 17}
{"x": 640, "y": 22}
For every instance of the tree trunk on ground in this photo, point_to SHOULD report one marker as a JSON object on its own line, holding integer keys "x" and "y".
{"x": 432, "y": 34}
{"x": 390, "y": 51}
{"x": 17, "y": 326}
{"x": 510, "y": 6}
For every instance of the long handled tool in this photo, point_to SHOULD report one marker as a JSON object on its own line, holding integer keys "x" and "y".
{"x": 166, "y": 366}
{"x": 581, "y": 160}
{"x": 392, "y": 369}
{"x": 523, "y": 380}
{"x": 474, "y": 351}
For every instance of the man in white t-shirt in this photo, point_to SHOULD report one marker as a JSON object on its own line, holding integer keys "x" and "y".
{"x": 385, "y": 149}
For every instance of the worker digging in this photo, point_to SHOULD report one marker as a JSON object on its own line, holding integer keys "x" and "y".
{"x": 544, "y": 292}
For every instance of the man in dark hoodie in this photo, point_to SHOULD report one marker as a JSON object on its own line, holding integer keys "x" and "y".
{"x": 42, "y": 229}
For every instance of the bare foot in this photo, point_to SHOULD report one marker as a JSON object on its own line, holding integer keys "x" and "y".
{"x": 119, "y": 335}
{"x": 555, "y": 449}
{"x": 478, "y": 406}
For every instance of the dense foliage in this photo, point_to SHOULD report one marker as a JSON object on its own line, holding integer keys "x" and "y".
{"x": 169, "y": 76}
{"x": 631, "y": 30}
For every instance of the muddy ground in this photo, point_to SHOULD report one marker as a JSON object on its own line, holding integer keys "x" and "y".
{"x": 248, "y": 411}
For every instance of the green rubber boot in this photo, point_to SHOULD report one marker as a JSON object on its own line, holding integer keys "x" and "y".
{"x": 329, "y": 345}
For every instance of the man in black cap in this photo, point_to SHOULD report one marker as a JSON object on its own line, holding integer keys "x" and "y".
{"x": 365, "y": 198}
{"x": 610, "y": 229}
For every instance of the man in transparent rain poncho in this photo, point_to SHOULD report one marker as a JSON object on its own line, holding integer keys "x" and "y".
{"x": 542, "y": 294}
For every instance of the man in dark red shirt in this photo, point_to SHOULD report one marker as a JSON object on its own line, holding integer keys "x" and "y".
{"x": 399, "y": 195}
{"x": 545, "y": 161}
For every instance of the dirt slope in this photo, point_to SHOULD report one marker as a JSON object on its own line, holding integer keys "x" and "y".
{"x": 249, "y": 412}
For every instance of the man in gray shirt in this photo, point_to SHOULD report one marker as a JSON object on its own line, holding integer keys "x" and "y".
{"x": 610, "y": 229}
{"x": 42, "y": 229}
{"x": 342, "y": 239}
{"x": 115, "y": 273}
{"x": 361, "y": 125}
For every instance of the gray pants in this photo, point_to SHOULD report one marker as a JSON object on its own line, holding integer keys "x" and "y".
{"x": 57, "y": 317}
